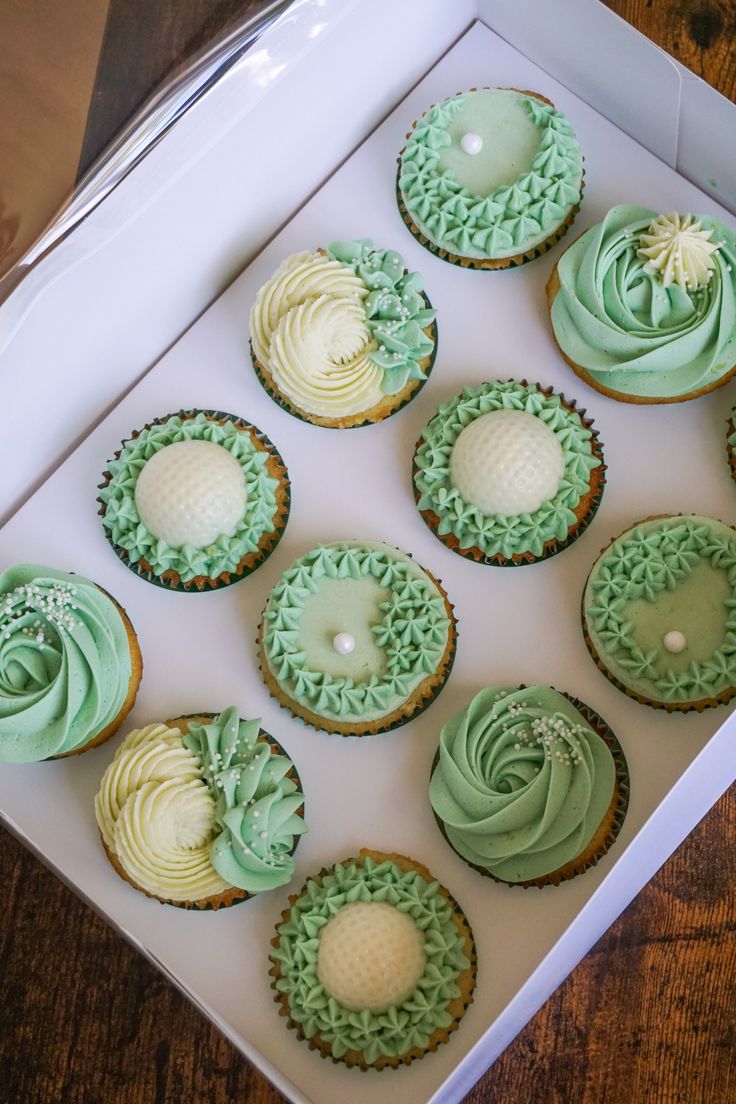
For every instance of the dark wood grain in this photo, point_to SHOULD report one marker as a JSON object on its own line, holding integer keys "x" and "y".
{"x": 647, "y": 1017}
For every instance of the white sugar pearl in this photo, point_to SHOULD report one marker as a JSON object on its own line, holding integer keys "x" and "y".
{"x": 471, "y": 143}
{"x": 343, "y": 643}
{"x": 675, "y": 642}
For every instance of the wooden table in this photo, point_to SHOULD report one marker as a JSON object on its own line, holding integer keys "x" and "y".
{"x": 648, "y": 1017}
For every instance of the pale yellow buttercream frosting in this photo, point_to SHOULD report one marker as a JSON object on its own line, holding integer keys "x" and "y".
{"x": 157, "y": 815}
{"x": 308, "y": 328}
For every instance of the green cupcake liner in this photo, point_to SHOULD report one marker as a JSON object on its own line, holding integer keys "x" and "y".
{"x": 602, "y": 729}
{"x": 205, "y": 583}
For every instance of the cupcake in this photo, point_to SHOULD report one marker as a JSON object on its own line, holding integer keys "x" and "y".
{"x": 490, "y": 178}
{"x": 731, "y": 442}
{"x": 508, "y": 473}
{"x": 658, "y": 612}
{"x": 643, "y": 306}
{"x": 201, "y": 812}
{"x": 343, "y": 336}
{"x": 195, "y": 500}
{"x": 530, "y": 786}
{"x": 70, "y": 665}
{"x": 356, "y": 638}
{"x": 373, "y": 962}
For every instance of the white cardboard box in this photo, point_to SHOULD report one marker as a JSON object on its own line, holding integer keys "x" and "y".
{"x": 122, "y": 288}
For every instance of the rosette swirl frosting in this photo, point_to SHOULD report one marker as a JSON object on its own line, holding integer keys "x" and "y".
{"x": 615, "y": 317}
{"x": 522, "y": 783}
{"x": 337, "y": 330}
{"x": 190, "y": 815}
{"x": 256, "y": 801}
{"x": 65, "y": 663}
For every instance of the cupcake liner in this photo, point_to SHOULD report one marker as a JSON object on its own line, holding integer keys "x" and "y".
{"x": 353, "y": 421}
{"x": 136, "y": 674}
{"x": 730, "y": 452}
{"x": 475, "y": 263}
{"x": 699, "y": 706}
{"x": 421, "y": 698}
{"x": 170, "y": 579}
{"x": 235, "y": 895}
{"x": 585, "y": 511}
{"x": 611, "y": 823}
{"x": 456, "y": 1008}
{"x": 551, "y": 290}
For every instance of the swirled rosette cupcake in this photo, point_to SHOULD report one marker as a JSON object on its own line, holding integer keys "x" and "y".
{"x": 70, "y": 665}
{"x": 643, "y": 306}
{"x": 356, "y": 638}
{"x": 195, "y": 500}
{"x": 201, "y": 812}
{"x": 508, "y": 473}
{"x": 658, "y": 612}
{"x": 529, "y": 786}
{"x": 490, "y": 178}
{"x": 343, "y": 336}
{"x": 373, "y": 962}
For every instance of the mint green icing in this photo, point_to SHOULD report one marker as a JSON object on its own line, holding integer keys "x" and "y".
{"x": 401, "y": 630}
{"x": 127, "y": 531}
{"x": 505, "y": 200}
{"x": 671, "y": 574}
{"x": 396, "y": 311}
{"x": 402, "y": 1027}
{"x": 629, "y": 332}
{"x": 497, "y": 534}
{"x": 65, "y": 663}
{"x": 256, "y": 801}
{"x": 522, "y": 783}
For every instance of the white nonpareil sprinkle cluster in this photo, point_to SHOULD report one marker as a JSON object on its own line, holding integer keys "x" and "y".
{"x": 558, "y": 738}
{"x": 679, "y": 251}
{"x": 55, "y": 605}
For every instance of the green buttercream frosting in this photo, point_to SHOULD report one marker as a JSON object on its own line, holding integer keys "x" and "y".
{"x": 255, "y": 802}
{"x": 396, "y": 311}
{"x": 402, "y": 1027}
{"x": 497, "y": 534}
{"x": 384, "y": 600}
{"x": 676, "y": 574}
{"x": 618, "y": 321}
{"x": 127, "y": 531}
{"x": 65, "y": 663}
{"x": 508, "y": 198}
{"x": 522, "y": 782}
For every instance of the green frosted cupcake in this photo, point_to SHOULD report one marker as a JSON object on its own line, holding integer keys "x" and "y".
{"x": 373, "y": 963}
{"x": 529, "y": 786}
{"x": 658, "y": 612}
{"x": 195, "y": 500}
{"x": 508, "y": 473}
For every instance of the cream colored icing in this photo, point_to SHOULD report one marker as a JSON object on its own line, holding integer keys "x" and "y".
{"x": 308, "y": 327}
{"x": 677, "y": 247}
{"x": 157, "y": 815}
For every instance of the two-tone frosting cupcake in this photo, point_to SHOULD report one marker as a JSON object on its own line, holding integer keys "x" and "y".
{"x": 643, "y": 306}
{"x": 343, "y": 336}
{"x": 201, "y": 812}
{"x": 70, "y": 664}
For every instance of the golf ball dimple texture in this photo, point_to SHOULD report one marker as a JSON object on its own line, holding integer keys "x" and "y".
{"x": 191, "y": 492}
{"x": 370, "y": 956}
{"x": 507, "y": 462}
